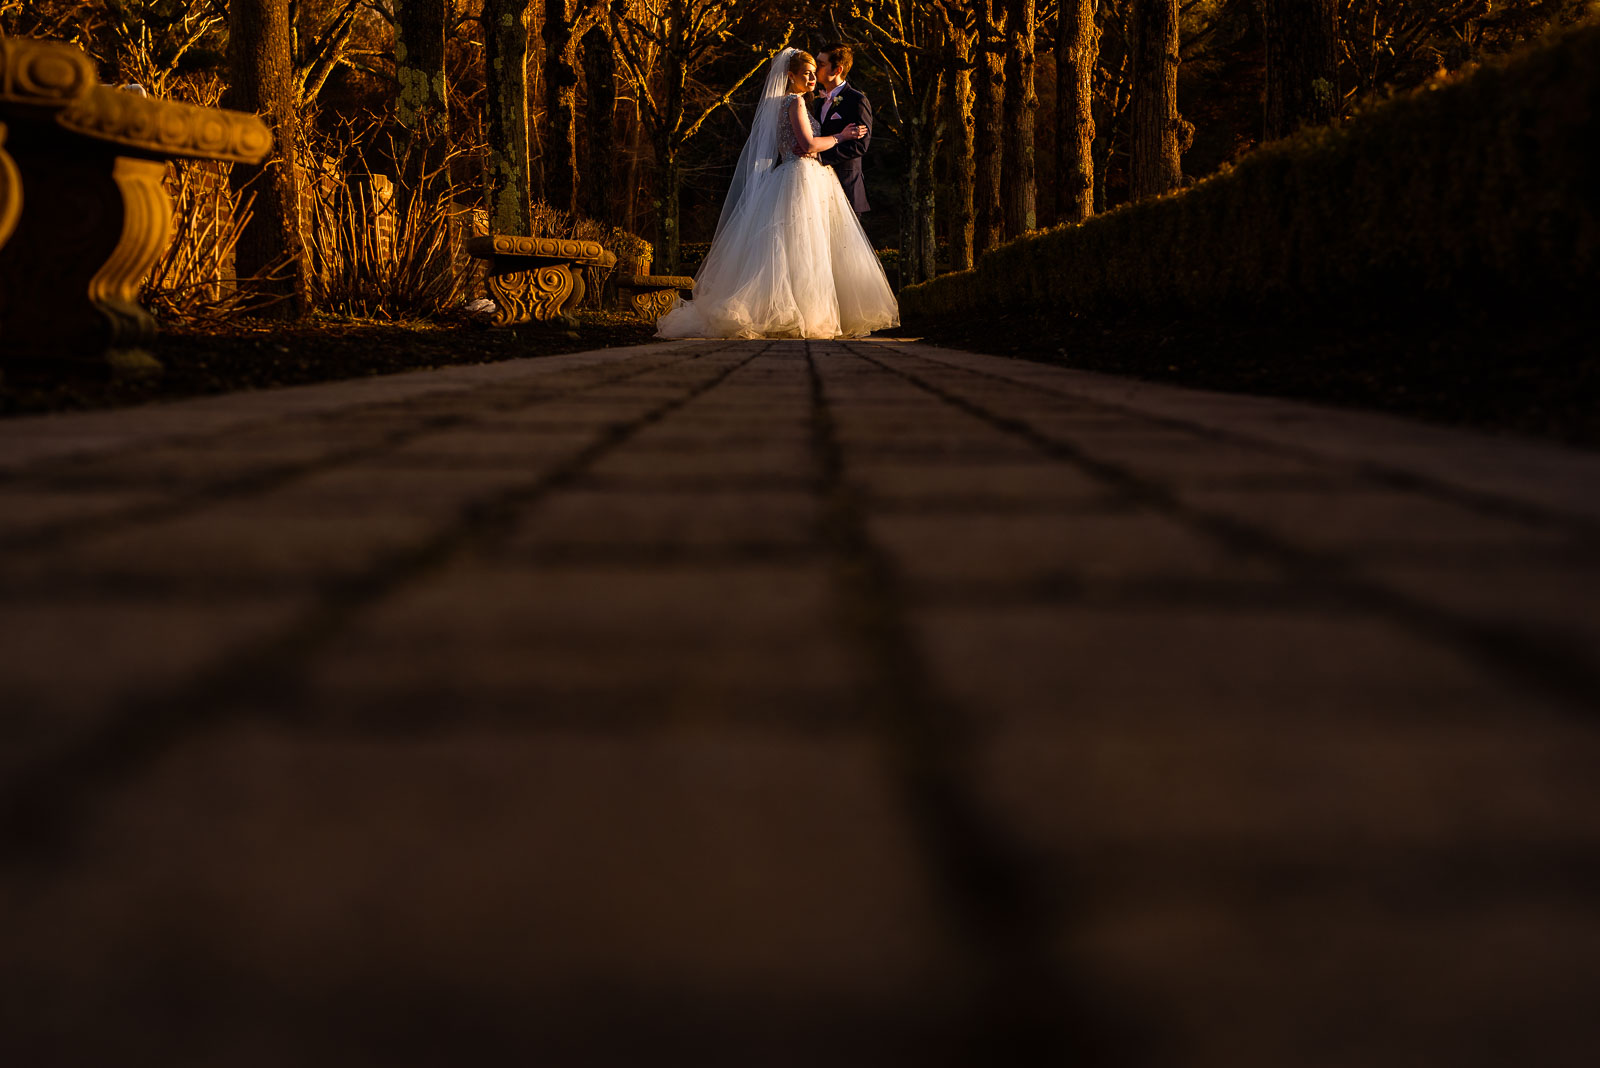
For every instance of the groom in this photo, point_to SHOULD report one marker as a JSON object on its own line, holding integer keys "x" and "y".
{"x": 844, "y": 105}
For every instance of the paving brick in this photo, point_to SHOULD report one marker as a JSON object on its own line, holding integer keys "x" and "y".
{"x": 1352, "y": 783}
{"x": 394, "y": 486}
{"x": 1551, "y": 600}
{"x": 788, "y": 462}
{"x": 690, "y": 432}
{"x": 1383, "y": 959}
{"x": 222, "y": 548}
{"x": 494, "y": 448}
{"x": 1260, "y": 827}
{"x": 1535, "y": 473}
{"x": 68, "y": 665}
{"x": 1185, "y": 460}
{"x": 1168, "y": 664}
{"x": 182, "y": 468}
{"x": 1049, "y": 554}
{"x": 729, "y": 521}
{"x": 616, "y": 642}
{"x": 29, "y": 511}
{"x": 1374, "y": 520}
{"x": 934, "y": 437}
{"x": 609, "y": 774}
{"x": 917, "y": 482}
{"x": 677, "y": 896}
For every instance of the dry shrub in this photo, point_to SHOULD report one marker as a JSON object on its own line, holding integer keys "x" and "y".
{"x": 381, "y": 248}
{"x": 629, "y": 248}
{"x": 194, "y": 279}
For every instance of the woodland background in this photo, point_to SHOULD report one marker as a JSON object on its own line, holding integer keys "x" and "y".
{"x": 402, "y": 127}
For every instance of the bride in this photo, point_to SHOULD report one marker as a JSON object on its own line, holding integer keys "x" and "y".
{"x": 789, "y": 257}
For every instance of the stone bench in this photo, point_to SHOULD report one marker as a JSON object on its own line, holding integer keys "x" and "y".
{"x": 651, "y": 295}
{"x": 94, "y": 216}
{"x": 536, "y": 279}
{"x": 10, "y": 191}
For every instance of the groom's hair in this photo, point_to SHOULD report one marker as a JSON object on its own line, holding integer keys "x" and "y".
{"x": 839, "y": 55}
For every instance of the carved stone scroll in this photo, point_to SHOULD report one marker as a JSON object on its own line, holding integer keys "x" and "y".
{"x": 652, "y": 304}
{"x": 535, "y": 295}
{"x": 43, "y": 74}
{"x": 94, "y": 216}
{"x": 652, "y": 295}
{"x": 10, "y": 191}
{"x": 536, "y": 279}
{"x": 146, "y": 229}
{"x": 164, "y": 129}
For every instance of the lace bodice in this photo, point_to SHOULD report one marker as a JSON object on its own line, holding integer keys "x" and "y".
{"x": 787, "y": 149}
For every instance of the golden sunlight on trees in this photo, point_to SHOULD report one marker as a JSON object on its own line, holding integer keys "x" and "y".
{"x": 260, "y": 78}
{"x": 617, "y": 118}
{"x": 1158, "y": 140}
{"x": 662, "y": 45}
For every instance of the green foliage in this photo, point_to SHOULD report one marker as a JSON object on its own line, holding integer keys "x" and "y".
{"x": 889, "y": 258}
{"x": 1460, "y": 196}
{"x": 691, "y": 254}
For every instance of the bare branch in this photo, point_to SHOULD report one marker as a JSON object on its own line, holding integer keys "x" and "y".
{"x": 723, "y": 100}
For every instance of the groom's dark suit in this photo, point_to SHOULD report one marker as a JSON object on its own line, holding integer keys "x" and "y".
{"x": 850, "y": 108}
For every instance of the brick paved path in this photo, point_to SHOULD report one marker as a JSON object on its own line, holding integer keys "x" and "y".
{"x": 794, "y": 704}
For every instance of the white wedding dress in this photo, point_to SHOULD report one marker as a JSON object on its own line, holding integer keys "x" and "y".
{"x": 789, "y": 259}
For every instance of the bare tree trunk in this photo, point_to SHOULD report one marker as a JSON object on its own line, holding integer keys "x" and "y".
{"x": 260, "y": 79}
{"x": 922, "y": 161}
{"x": 669, "y": 166}
{"x": 1077, "y": 55}
{"x": 537, "y": 134}
{"x": 1021, "y": 102}
{"x": 1158, "y": 134}
{"x": 506, "y": 75}
{"x": 960, "y": 142}
{"x": 1302, "y": 64}
{"x": 919, "y": 256}
{"x": 991, "y": 90}
{"x": 560, "y": 109}
{"x": 422, "y": 102}
{"x": 600, "y": 76}
{"x": 630, "y": 184}
{"x": 669, "y": 177}
{"x": 419, "y": 31}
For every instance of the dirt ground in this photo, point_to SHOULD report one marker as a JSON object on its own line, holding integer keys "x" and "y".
{"x": 248, "y": 353}
{"x": 1541, "y": 382}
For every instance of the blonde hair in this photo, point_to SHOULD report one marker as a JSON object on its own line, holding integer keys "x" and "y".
{"x": 798, "y": 61}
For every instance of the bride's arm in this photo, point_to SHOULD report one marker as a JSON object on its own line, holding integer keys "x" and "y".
{"x": 803, "y": 139}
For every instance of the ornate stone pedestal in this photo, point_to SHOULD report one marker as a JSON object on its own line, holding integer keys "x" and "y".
{"x": 10, "y": 191}
{"x": 94, "y": 216}
{"x": 651, "y": 295}
{"x": 536, "y": 279}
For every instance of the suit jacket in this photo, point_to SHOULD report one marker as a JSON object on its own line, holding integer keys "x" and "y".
{"x": 850, "y": 108}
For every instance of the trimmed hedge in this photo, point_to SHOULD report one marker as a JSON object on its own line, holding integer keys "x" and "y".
{"x": 1479, "y": 194}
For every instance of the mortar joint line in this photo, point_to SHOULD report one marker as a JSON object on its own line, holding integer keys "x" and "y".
{"x": 1393, "y": 477}
{"x": 1528, "y": 662}
{"x": 40, "y": 809}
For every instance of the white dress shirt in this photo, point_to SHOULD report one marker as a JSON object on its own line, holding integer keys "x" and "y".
{"x": 827, "y": 101}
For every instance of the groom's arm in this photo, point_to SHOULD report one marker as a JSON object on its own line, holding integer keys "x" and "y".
{"x": 857, "y": 148}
